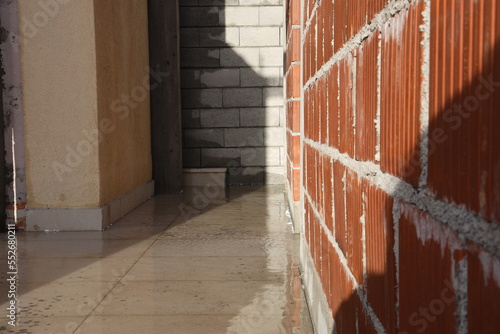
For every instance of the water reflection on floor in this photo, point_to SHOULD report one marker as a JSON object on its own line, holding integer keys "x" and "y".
{"x": 211, "y": 260}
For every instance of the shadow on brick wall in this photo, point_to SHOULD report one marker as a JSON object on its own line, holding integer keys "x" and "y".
{"x": 437, "y": 269}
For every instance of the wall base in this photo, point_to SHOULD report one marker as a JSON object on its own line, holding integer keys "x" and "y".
{"x": 87, "y": 219}
{"x": 204, "y": 177}
{"x": 295, "y": 210}
{"x": 321, "y": 316}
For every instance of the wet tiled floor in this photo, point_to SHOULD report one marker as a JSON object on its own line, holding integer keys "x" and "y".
{"x": 211, "y": 260}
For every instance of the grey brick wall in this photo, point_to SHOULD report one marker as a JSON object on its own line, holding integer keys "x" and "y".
{"x": 232, "y": 87}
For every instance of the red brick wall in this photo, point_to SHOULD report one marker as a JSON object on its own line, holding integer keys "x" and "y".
{"x": 401, "y": 161}
{"x": 293, "y": 98}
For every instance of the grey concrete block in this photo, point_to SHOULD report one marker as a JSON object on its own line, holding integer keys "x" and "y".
{"x": 199, "y": 16}
{"x": 218, "y": 2}
{"x": 274, "y": 136}
{"x": 190, "y": 118}
{"x": 244, "y": 137}
{"x": 191, "y": 157}
{"x": 189, "y": 37}
{"x": 199, "y": 57}
{"x": 220, "y": 37}
{"x": 219, "y": 118}
{"x": 271, "y": 56}
{"x": 190, "y": 78}
{"x": 260, "y": 116}
{"x": 239, "y": 16}
{"x": 226, "y": 77}
{"x": 260, "y": 77}
{"x": 203, "y": 138}
{"x": 220, "y": 157}
{"x": 271, "y": 16}
{"x": 274, "y": 175}
{"x": 239, "y": 57}
{"x": 201, "y": 98}
{"x": 273, "y": 97}
{"x": 260, "y": 156}
{"x": 242, "y": 97}
{"x": 260, "y": 36}
{"x": 259, "y": 2}
{"x": 188, "y": 3}
{"x": 246, "y": 175}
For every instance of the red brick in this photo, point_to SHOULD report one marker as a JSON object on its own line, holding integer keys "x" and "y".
{"x": 354, "y": 210}
{"x": 357, "y": 14}
{"x": 340, "y": 213}
{"x": 340, "y": 19}
{"x": 319, "y": 36}
{"x": 319, "y": 180}
{"x": 328, "y": 189}
{"x": 427, "y": 251}
{"x": 333, "y": 108}
{"x": 335, "y": 300}
{"x": 307, "y": 113}
{"x": 374, "y": 7}
{"x": 296, "y": 185}
{"x": 295, "y": 12}
{"x": 328, "y": 29}
{"x": 314, "y": 46}
{"x": 342, "y": 296}
{"x": 380, "y": 258}
{"x": 317, "y": 242}
{"x": 315, "y": 115}
{"x": 296, "y": 44}
{"x": 295, "y": 126}
{"x": 346, "y": 144}
{"x": 323, "y": 110}
{"x": 296, "y": 151}
{"x": 296, "y": 81}
{"x": 366, "y": 99}
{"x": 463, "y": 134}
{"x": 483, "y": 292}
{"x": 325, "y": 263}
{"x": 401, "y": 91}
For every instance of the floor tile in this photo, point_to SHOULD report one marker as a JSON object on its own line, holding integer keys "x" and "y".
{"x": 83, "y": 248}
{"x": 207, "y": 268}
{"x": 58, "y": 298}
{"x": 196, "y": 297}
{"x": 67, "y": 269}
{"x": 227, "y": 263}
{"x": 187, "y": 324}
{"x": 44, "y": 325}
{"x": 219, "y": 247}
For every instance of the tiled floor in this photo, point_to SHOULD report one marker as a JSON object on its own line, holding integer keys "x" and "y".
{"x": 212, "y": 260}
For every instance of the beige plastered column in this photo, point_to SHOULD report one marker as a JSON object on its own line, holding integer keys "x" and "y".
{"x": 87, "y": 124}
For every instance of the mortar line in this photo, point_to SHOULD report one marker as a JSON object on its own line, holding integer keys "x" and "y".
{"x": 366, "y": 31}
{"x": 343, "y": 260}
{"x": 457, "y": 217}
{"x": 425, "y": 95}
{"x": 126, "y": 273}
